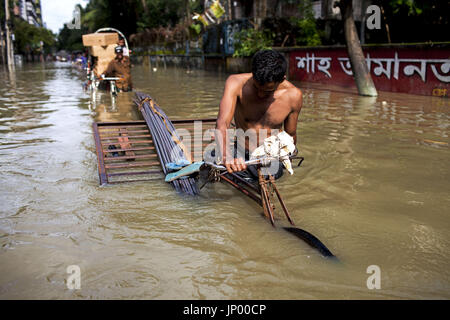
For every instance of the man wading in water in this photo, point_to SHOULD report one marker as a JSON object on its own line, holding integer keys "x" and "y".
{"x": 260, "y": 100}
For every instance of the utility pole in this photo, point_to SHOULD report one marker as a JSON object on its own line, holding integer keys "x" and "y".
{"x": 230, "y": 13}
{"x": 188, "y": 23}
{"x": 188, "y": 12}
{"x": 361, "y": 73}
{"x": 2, "y": 45}
{"x": 9, "y": 44}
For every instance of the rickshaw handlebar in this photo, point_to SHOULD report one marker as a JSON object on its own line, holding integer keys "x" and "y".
{"x": 111, "y": 78}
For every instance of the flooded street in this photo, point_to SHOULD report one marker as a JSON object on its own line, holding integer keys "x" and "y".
{"x": 374, "y": 187}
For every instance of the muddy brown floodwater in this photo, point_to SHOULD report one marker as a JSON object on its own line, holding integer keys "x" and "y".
{"x": 374, "y": 187}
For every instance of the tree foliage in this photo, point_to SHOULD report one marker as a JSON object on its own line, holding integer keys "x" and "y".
{"x": 410, "y": 5}
{"x": 413, "y": 20}
{"x": 160, "y": 13}
{"x": 128, "y": 16}
{"x": 249, "y": 41}
{"x": 70, "y": 39}
{"x": 307, "y": 33}
{"x": 408, "y": 20}
{"x": 279, "y": 31}
{"x": 28, "y": 37}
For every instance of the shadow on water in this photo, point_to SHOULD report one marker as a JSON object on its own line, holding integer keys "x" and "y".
{"x": 312, "y": 241}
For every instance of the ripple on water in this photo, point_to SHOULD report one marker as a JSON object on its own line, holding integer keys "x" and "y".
{"x": 373, "y": 188}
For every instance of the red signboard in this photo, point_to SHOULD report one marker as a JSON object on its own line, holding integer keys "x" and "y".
{"x": 415, "y": 70}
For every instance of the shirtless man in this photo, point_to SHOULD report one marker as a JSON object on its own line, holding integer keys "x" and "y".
{"x": 263, "y": 99}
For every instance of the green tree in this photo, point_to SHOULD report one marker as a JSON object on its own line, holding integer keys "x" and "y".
{"x": 160, "y": 13}
{"x": 412, "y": 7}
{"x": 70, "y": 39}
{"x": 156, "y": 13}
{"x": 122, "y": 15}
{"x": 307, "y": 33}
{"x": 412, "y": 21}
{"x": 29, "y": 37}
{"x": 97, "y": 14}
{"x": 249, "y": 41}
{"x": 128, "y": 16}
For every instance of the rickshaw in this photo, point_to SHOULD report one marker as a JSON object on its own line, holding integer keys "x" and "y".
{"x": 100, "y": 57}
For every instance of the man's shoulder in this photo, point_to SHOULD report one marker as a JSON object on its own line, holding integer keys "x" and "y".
{"x": 293, "y": 93}
{"x": 290, "y": 86}
{"x": 240, "y": 76}
{"x": 238, "y": 79}
{"x": 236, "y": 82}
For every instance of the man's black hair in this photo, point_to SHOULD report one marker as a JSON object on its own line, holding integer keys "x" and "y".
{"x": 268, "y": 66}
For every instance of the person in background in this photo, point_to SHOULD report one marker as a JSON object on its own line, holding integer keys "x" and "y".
{"x": 83, "y": 60}
{"x": 120, "y": 67}
{"x": 126, "y": 52}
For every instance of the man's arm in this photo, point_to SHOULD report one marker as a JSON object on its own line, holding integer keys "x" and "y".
{"x": 290, "y": 124}
{"x": 226, "y": 114}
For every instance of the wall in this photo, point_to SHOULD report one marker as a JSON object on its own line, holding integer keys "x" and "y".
{"x": 212, "y": 62}
{"x": 220, "y": 38}
{"x": 163, "y": 61}
{"x": 416, "y": 69}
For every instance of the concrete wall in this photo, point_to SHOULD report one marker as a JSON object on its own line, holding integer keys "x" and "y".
{"x": 416, "y": 69}
{"x": 207, "y": 62}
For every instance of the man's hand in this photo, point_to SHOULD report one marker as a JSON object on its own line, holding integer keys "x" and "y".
{"x": 236, "y": 165}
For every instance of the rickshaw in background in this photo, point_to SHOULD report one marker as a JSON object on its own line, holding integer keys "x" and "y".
{"x": 102, "y": 46}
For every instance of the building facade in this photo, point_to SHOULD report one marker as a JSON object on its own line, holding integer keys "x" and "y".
{"x": 30, "y": 11}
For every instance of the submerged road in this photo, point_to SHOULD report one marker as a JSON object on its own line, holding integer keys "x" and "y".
{"x": 374, "y": 187}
